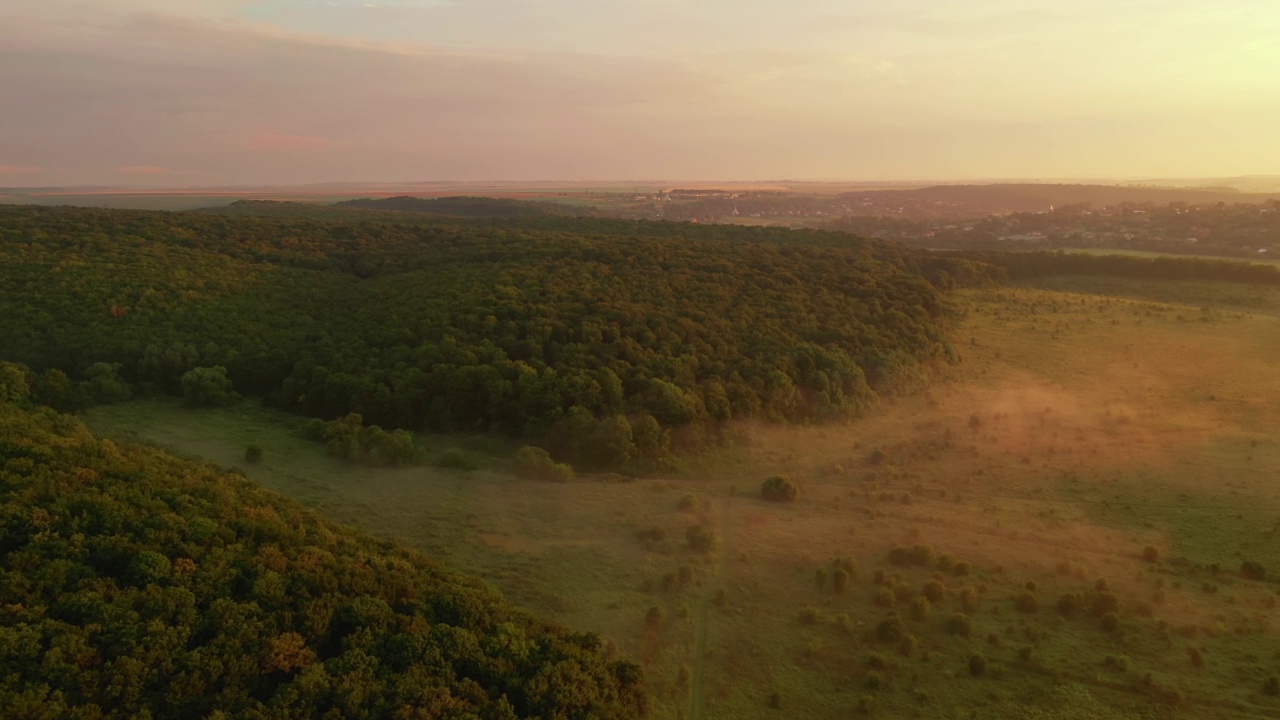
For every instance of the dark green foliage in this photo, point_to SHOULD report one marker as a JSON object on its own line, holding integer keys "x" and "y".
{"x": 839, "y": 579}
{"x": 207, "y": 387}
{"x": 1253, "y": 570}
{"x": 961, "y": 569}
{"x": 779, "y": 489}
{"x": 890, "y": 629}
{"x": 350, "y": 439}
{"x": 934, "y": 590}
{"x": 1027, "y": 602}
{"x": 920, "y": 607}
{"x": 873, "y": 681}
{"x": 138, "y": 585}
{"x": 968, "y": 598}
{"x": 534, "y": 463}
{"x": 487, "y": 325}
{"x": 959, "y": 624}
{"x": 977, "y": 664}
{"x": 253, "y": 454}
{"x": 702, "y": 539}
{"x": 469, "y": 207}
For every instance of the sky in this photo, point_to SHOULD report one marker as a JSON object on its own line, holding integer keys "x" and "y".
{"x": 264, "y": 92}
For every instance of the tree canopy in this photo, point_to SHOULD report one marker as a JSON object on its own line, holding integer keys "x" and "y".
{"x": 501, "y": 325}
{"x": 134, "y": 584}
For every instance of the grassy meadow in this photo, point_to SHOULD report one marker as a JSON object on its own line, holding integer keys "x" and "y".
{"x": 1071, "y": 505}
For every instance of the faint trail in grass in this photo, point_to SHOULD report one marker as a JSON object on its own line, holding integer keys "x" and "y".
{"x": 697, "y": 690}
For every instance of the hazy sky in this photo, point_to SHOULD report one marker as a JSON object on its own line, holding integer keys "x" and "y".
{"x": 177, "y": 92}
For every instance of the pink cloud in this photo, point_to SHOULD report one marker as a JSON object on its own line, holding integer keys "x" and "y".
{"x": 143, "y": 170}
{"x": 278, "y": 142}
{"x": 20, "y": 170}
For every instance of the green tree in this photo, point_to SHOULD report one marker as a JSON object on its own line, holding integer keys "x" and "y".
{"x": 207, "y": 387}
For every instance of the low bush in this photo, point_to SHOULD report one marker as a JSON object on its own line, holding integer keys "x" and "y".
{"x": 779, "y": 489}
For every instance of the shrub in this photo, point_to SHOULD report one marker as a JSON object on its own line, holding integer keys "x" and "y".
{"x": 1117, "y": 662}
{"x": 874, "y": 681}
{"x": 1253, "y": 570}
{"x": 914, "y": 555}
{"x": 534, "y": 463}
{"x": 253, "y": 455}
{"x": 1069, "y": 604}
{"x": 1197, "y": 657}
{"x": 968, "y": 599}
{"x": 961, "y": 569}
{"x": 1026, "y": 602}
{"x": 839, "y": 579}
{"x": 884, "y": 597}
{"x": 1271, "y": 686}
{"x": 820, "y": 578}
{"x": 909, "y": 646}
{"x": 1150, "y": 554}
{"x": 809, "y": 616}
{"x": 653, "y": 617}
{"x": 878, "y": 661}
{"x": 920, "y": 607}
{"x": 959, "y": 624}
{"x": 687, "y": 502}
{"x": 890, "y": 629}
{"x": 702, "y": 539}
{"x": 977, "y": 664}
{"x": 934, "y": 590}
{"x": 1110, "y": 623}
{"x": 946, "y": 562}
{"x": 779, "y": 489}
{"x": 455, "y": 459}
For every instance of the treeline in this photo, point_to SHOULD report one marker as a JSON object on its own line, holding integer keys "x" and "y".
{"x": 137, "y": 585}
{"x": 512, "y": 326}
{"x": 469, "y": 207}
{"x": 1029, "y": 265}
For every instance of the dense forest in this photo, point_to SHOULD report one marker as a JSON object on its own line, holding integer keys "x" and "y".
{"x": 536, "y": 327}
{"x": 465, "y": 206}
{"x": 137, "y": 585}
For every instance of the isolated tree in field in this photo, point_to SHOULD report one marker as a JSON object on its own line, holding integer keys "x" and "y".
{"x": 702, "y": 539}
{"x": 253, "y": 455}
{"x": 1253, "y": 570}
{"x": 207, "y": 387}
{"x": 779, "y": 489}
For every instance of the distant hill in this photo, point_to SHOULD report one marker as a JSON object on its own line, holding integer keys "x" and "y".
{"x": 979, "y": 200}
{"x": 468, "y": 207}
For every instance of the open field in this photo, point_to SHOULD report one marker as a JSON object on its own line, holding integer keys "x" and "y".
{"x": 1079, "y": 430}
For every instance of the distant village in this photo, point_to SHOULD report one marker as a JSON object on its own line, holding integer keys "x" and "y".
{"x": 1224, "y": 229}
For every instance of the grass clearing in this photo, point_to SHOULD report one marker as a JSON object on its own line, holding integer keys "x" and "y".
{"x": 1088, "y": 420}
